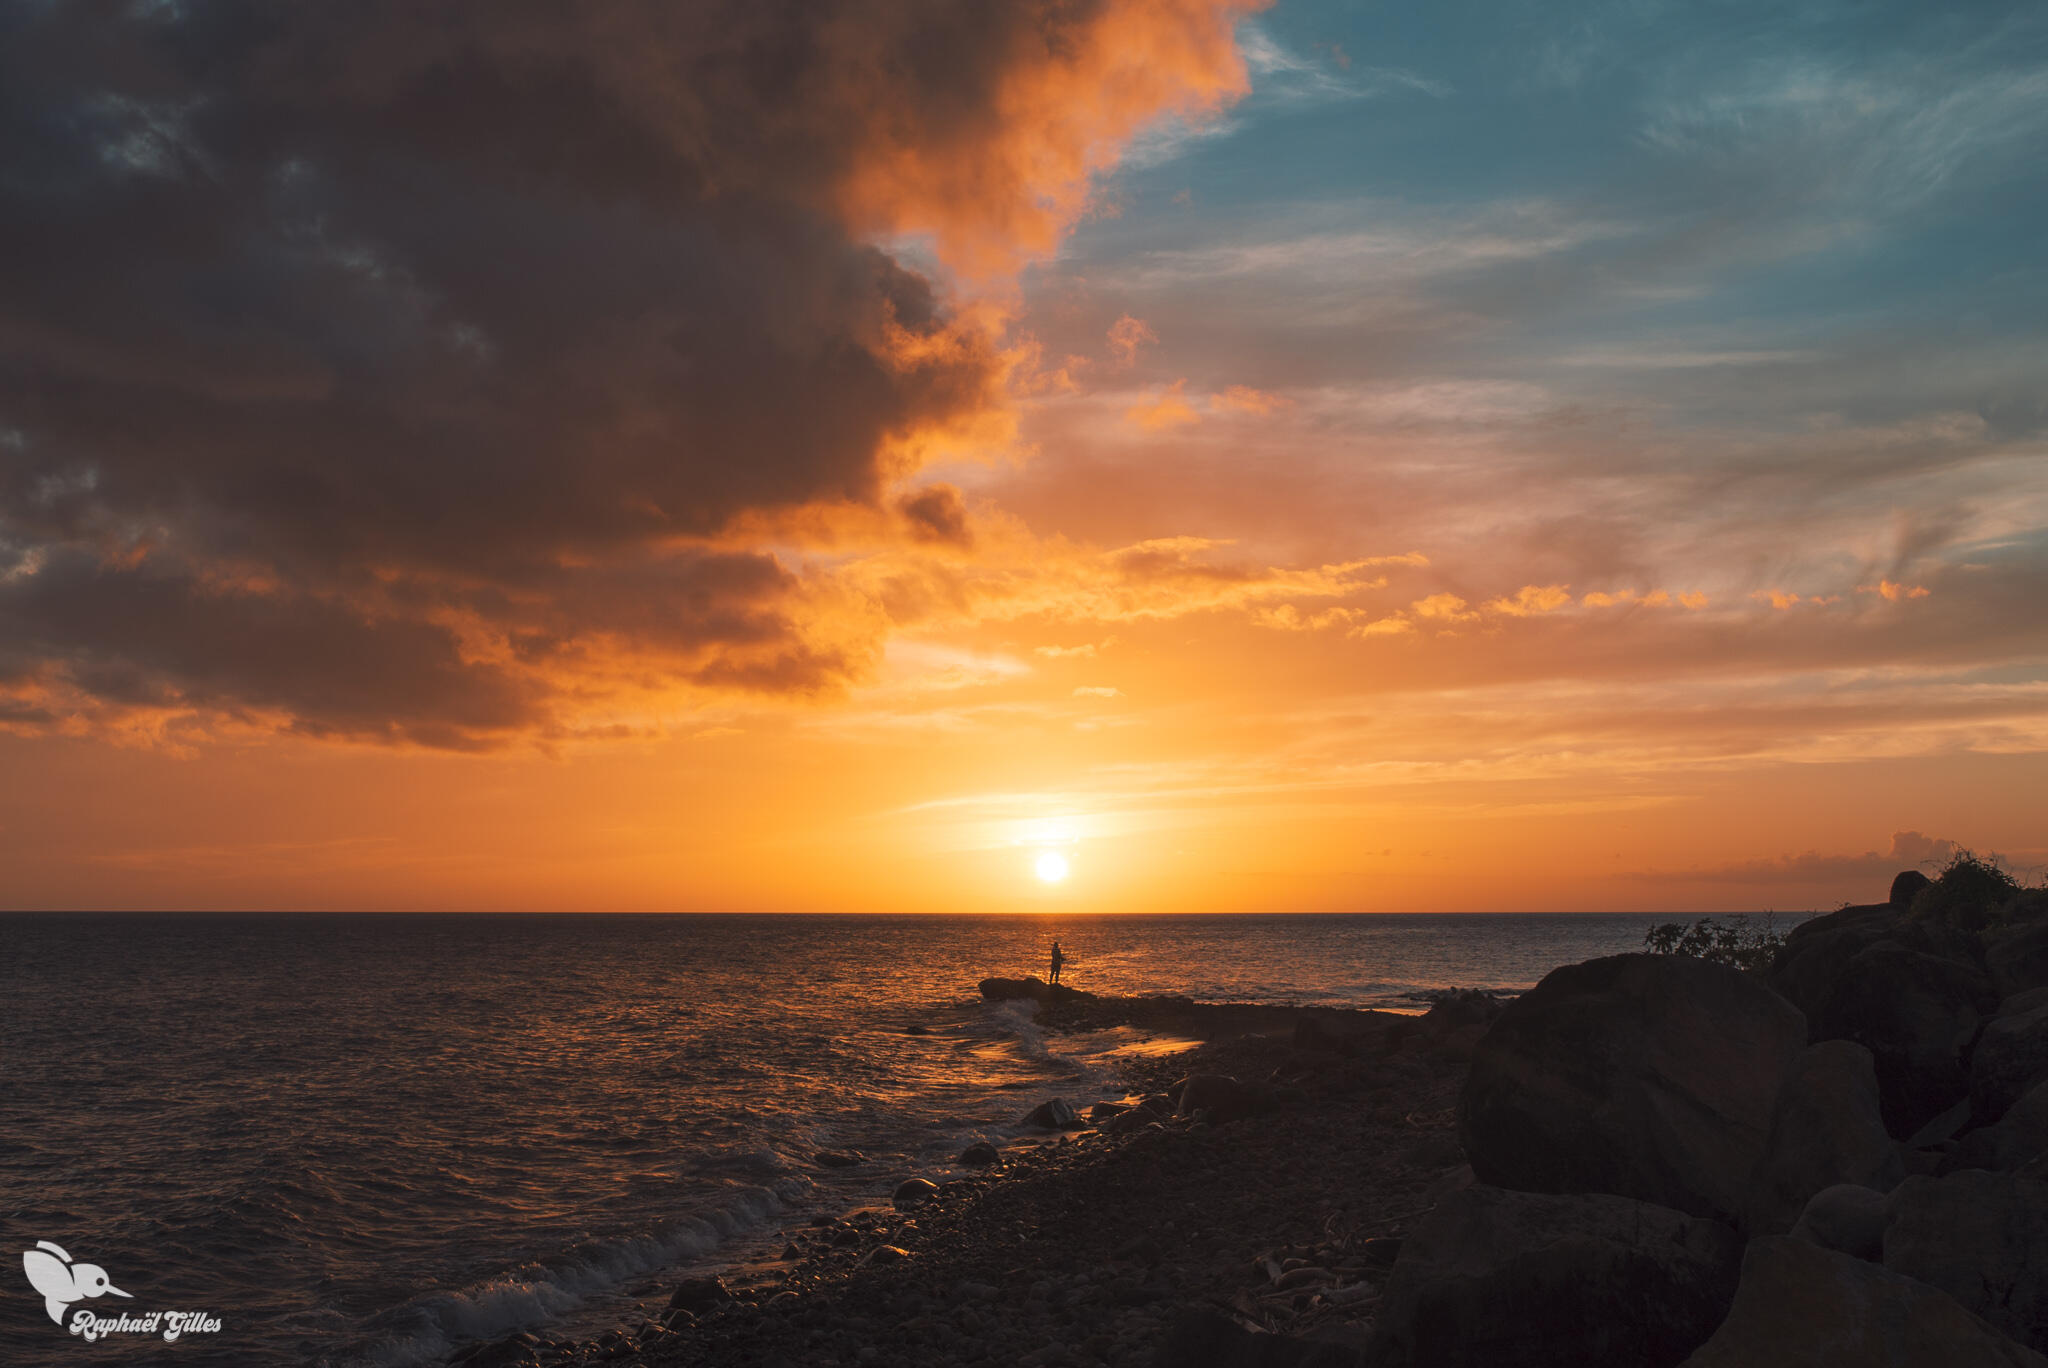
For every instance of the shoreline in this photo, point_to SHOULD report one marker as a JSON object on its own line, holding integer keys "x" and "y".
{"x": 1060, "y": 1251}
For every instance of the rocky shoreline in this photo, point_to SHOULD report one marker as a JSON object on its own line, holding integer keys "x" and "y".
{"x": 1648, "y": 1159}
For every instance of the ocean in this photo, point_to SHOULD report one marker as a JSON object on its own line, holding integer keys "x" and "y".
{"x": 365, "y": 1140}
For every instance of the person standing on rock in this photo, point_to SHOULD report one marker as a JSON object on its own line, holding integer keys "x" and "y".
{"x": 1058, "y": 958}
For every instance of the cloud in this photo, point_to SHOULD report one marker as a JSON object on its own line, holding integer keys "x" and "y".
{"x": 466, "y": 340}
{"x": 1245, "y": 399}
{"x": 1168, "y": 409}
{"x": 1908, "y": 850}
{"x": 1532, "y": 600}
{"x": 1126, "y": 335}
{"x": 1097, "y": 691}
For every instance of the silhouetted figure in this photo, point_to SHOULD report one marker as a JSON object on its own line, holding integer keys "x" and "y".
{"x": 1058, "y": 958}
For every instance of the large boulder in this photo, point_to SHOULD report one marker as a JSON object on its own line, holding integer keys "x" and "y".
{"x": 1846, "y": 1218}
{"x": 1907, "y": 886}
{"x": 2011, "y": 1057}
{"x": 1917, "y": 1013}
{"x": 2020, "y": 1136}
{"x": 2018, "y": 960}
{"x": 1825, "y": 1130}
{"x": 1497, "y": 1279}
{"x": 1983, "y": 1239}
{"x": 1648, "y": 1076}
{"x": 1800, "y": 1306}
{"x": 1818, "y": 950}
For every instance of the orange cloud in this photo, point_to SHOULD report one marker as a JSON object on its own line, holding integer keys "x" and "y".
{"x": 998, "y": 190}
{"x": 1442, "y": 608}
{"x": 1128, "y": 334}
{"x": 1893, "y": 591}
{"x": 1777, "y": 598}
{"x": 1532, "y": 600}
{"x": 1245, "y": 399}
{"x": 1170, "y": 409}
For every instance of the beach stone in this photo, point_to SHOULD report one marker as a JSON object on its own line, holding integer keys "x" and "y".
{"x": 884, "y": 1254}
{"x": 1800, "y": 1306}
{"x": 1526, "y": 1280}
{"x": 2018, "y": 960}
{"x": 1826, "y": 1129}
{"x": 1982, "y": 1238}
{"x": 1847, "y": 1219}
{"x": 1646, "y": 1076}
{"x": 698, "y": 1295}
{"x": 1917, "y": 1012}
{"x": 980, "y": 1154}
{"x": 2011, "y": 1056}
{"x": 1102, "y": 1111}
{"x": 838, "y": 1158}
{"x": 1053, "y": 1114}
{"x": 911, "y": 1191}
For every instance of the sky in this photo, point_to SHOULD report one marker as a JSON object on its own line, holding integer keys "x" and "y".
{"x": 791, "y": 457}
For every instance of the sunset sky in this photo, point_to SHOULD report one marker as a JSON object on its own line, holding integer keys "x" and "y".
{"x": 773, "y": 457}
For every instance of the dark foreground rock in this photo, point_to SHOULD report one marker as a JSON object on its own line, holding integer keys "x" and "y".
{"x": 1033, "y": 989}
{"x": 1648, "y": 1076}
{"x": 1497, "y": 1279}
{"x": 1983, "y": 1239}
{"x": 1826, "y": 1129}
{"x": 1799, "y": 1306}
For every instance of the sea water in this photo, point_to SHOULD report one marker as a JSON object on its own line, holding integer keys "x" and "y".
{"x": 368, "y": 1140}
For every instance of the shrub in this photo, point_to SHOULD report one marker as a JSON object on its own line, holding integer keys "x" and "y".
{"x": 1970, "y": 894}
{"x": 1738, "y": 942}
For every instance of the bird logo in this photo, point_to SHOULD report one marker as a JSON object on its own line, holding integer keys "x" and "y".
{"x": 62, "y": 1282}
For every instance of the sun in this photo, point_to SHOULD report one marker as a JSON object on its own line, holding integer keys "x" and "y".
{"x": 1051, "y": 867}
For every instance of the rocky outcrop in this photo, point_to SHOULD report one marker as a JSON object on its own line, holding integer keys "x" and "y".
{"x": 1054, "y": 1114}
{"x": 2018, "y": 960}
{"x": 1847, "y": 1219}
{"x": 1224, "y": 1098}
{"x": 2020, "y": 1137}
{"x": 1826, "y": 1129}
{"x": 1906, "y": 887}
{"x": 1800, "y": 1306}
{"x": 1648, "y": 1076}
{"x": 1497, "y": 1279}
{"x": 2010, "y": 1057}
{"x": 1033, "y": 989}
{"x": 1983, "y": 1239}
{"x": 1917, "y": 1013}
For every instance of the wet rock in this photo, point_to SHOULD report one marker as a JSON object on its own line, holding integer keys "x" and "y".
{"x": 1102, "y": 1111}
{"x": 883, "y": 1255}
{"x": 1647, "y": 1076}
{"x": 699, "y": 1295}
{"x": 1917, "y": 1013}
{"x": 1800, "y": 1306}
{"x": 1983, "y": 1239}
{"x": 1847, "y": 1219}
{"x": 1526, "y": 1280}
{"x": 912, "y": 1191}
{"x": 838, "y": 1158}
{"x": 1053, "y": 1114}
{"x": 980, "y": 1154}
{"x": 1826, "y": 1129}
{"x": 2010, "y": 1057}
{"x": 1032, "y": 989}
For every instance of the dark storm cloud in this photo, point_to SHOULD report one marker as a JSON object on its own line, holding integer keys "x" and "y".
{"x": 410, "y": 310}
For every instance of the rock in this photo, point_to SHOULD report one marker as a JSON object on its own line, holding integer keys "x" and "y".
{"x": 1102, "y": 1111}
{"x": 1647, "y": 1076}
{"x": 1204, "y": 1339}
{"x": 1224, "y": 1098}
{"x": 1033, "y": 989}
{"x": 2011, "y": 1057}
{"x": 838, "y": 1158}
{"x": 1983, "y": 1239}
{"x": 1917, "y": 1013}
{"x": 1847, "y": 1219}
{"x": 1522, "y": 1280}
{"x": 1818, "y": 950}
{"x": 1457, "y": 1010}
{"x": 911, "y": 1191}
{"x": 698, "y": 1295}
{"x": 1310, "y": 1034}
{"x": 1800, "y": 1306}
{"x": 2022, "y": 1135}
{"x": 1907, "y": 886}
{"x": 2018, "y": 959}
{"x": 1054, "y": 1114}
{"x": 980, "y": 1154}
{"x": 1826, "y": 1129}
{"x": 1941, "y": 1129}
{"x": 883, "y": 1254}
